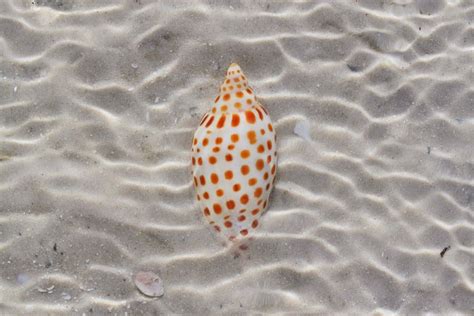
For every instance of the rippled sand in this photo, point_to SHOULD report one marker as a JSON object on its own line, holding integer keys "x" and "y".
{"x": 373, "y": 106}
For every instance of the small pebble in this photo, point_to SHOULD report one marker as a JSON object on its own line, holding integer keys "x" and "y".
{"x": 149, "y": 284}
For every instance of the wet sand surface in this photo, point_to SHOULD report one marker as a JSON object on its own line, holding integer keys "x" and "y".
{"x": 372, "y": 102}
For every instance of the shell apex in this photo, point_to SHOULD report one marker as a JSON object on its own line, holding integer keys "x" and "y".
{"x": 235, "y": 93}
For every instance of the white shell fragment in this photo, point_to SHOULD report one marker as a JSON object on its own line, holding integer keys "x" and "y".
{"x": 149, "y": 284}
{"x": 302, "y": 130}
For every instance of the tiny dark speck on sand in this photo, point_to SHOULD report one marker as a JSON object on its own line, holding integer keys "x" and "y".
{"x": 444, "y": 251}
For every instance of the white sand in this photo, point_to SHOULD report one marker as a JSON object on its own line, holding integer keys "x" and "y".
{"x": 98, "y": 104}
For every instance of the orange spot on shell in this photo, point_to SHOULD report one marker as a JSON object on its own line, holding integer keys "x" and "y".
{"x": 244, "y": 199}
{"x": 218, "y": 140}
{"x": 202, "y": 179}
{"x": 231, "y": 147}
{"x": 261, "y": 148}
{"x": 265, "y": 176}
{"x": 205, "y": 195}
{"x": 273, "y": 169}
{"x": 236, "y": 187}
{"x": 238, "y": 105}
{"x": 210, "y": 121}
{"x": 269, "y": 144}
{"x": 245, "y": 153}
{"x": 193, "y": 161}
{"x": 239, "y": 94}
{"x": 252, "y": 181}
{"x": 200, "y": 161}
{"x": 214, "y": 178}
{"x": 203, "y": 120}
{"x": 248, "y": 91}
{"x": 212, "y": 160}
{"x": 221, "y": 122}
{"x": 206, "y": 212}
{"x": 244, "y": 232}
{"x": 205, "y": 141}
{"x": 226, "y": 97}
{"x": 270, "y": 127}
{"x": 260, "y": 114}
{"x": 241, "y": 218}
{"x": 224, "y": 108}
{"x": 255, "y": 224}
{"x": 216, "y": 149}
{"x": 229, "y": 174}
{"x": 252, "y": 136}
{"x": 269, "y": 159}
{"x": 234, "y": 138}
{"x": 196, "y": 181}
{"x": 228, "y": 224}
{"x": 259, "y": 164}
{"x": 228, "y": 157}
{"x": 217, "y": 208}
{"x": 230, "y": 204}
{"x": 235, "y": 120}
{"x": 258, "y": 192}
{"x": 255, "y": 211}
{"x": 250, "y": 117}
{"x": 219, "y": 192}
{"x": 245, "y": 169}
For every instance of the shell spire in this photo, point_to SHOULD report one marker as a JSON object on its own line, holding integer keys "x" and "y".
{"x": 235, "y": 94}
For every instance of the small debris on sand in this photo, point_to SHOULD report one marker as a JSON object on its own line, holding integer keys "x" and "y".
{"x": 444, "y": 251}
{"x": 302, "y": 129}
{"x": 66, "y": 296}
{"x": 48, "y": 290}
{"x": 149, "y": 284}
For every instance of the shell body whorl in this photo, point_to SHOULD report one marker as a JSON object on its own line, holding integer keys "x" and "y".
{"x": 234, "y": 159}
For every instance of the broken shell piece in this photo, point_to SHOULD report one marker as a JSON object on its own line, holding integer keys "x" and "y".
{"x": 149, "y": 284}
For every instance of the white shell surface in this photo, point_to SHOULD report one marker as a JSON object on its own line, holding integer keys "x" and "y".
{"x": 149, "y": 284}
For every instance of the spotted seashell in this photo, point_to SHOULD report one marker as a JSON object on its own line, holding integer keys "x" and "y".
{"x": 234, "y": 159}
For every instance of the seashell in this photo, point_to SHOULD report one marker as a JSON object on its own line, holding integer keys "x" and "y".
{"x": 234, "y": 159}
{"x": 149, "y": 284}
